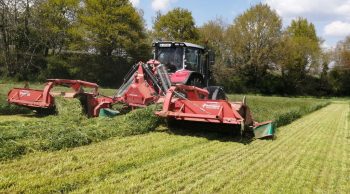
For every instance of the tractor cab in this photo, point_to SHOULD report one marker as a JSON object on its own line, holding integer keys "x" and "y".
{"x": 186, "y": 63}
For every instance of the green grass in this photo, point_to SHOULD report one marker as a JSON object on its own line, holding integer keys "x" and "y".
{"x": 5, "y": 108}
{"x": 133, "y": 154}
{"x": 309, "y": 156}
{"x": 282, "y": 110}
{"x": 69, "y": 129}
{"x": 24, "y": 134}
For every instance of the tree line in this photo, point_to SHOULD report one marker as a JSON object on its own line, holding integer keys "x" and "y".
{"x": 99, "y": 40}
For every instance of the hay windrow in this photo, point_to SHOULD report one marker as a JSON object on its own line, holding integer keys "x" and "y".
{"x": 9, "y": 109}
{"x": 70, "y": 128}
{"x": 68, "y": 107}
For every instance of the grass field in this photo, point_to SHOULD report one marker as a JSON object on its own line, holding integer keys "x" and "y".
{"x": 136, "y": 152}
{"x": 309, "y": 155}
{"x": 27, "y": 133}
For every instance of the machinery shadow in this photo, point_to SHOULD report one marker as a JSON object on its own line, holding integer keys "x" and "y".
{"x": 219, "y": 132}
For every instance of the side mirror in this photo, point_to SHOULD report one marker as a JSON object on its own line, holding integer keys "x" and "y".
{"x": 211, "y": 58}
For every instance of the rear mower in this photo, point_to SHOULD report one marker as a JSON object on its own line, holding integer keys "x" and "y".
{"x": 189, "y": 103}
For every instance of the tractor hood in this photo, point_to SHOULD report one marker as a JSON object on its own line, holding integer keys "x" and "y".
{"x": 180, "y": 76}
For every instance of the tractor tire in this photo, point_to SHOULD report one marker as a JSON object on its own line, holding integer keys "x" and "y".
{"x": 195, "y": 81}
{"x": 216, "y": 93}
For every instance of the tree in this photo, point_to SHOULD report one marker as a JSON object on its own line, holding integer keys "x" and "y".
{"x": 253, "y": 40}
{"x": 55, "y": 22}
{"x": 302, "y": 54}
{"x": 176, "y": 25}
{"x": 212, "y": 35}
{"x": 339, "y": 76}
{"x": 343, "y": 53}
{"x": 113, "y": 25}
{"x": 18, "y": 39}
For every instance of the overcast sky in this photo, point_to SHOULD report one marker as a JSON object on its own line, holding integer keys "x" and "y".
{"x": 331, "y": 17}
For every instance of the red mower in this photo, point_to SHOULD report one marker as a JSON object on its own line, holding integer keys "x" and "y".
{"x": 174, "y": 77}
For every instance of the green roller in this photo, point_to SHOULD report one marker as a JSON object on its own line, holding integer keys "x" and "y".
{"x": 264, "y": 130}
{"x": 106, "y": 112}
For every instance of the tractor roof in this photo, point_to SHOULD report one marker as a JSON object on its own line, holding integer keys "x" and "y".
{"x": 186, "y": 44}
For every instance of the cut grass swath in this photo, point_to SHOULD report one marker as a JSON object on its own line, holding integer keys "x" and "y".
{"x": 69, "y": 128}
{"x": 310, "y": 155}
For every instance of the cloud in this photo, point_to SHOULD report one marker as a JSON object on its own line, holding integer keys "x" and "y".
{"x": 331, "y": 17}
{"x": 337, "y": 28}
{"x": 135, "y": 3}
{"x": 344, "y": 9}
{"x": 161, "y": 5}
{"x": 311, "y": 8}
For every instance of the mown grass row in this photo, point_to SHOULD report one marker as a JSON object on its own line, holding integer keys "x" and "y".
{"x": 309, "y": 156}
{"x": 70, "y": 128}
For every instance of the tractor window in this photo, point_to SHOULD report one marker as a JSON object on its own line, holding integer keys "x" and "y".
{"x": 192, "y": 59}
{"x": 171, "y": 57}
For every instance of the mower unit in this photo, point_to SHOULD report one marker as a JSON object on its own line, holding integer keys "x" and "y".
{"x": 43, "y": 101}
{"x": 189, "y": 103}
{"x": 143, "y": 86}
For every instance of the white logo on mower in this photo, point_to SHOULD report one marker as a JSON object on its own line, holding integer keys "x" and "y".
{"x": 212, "y": 105}
{"x": 23, "y": 93}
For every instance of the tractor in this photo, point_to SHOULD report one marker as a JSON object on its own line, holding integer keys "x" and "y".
{"x": 186, "y": 63}
{"x": 177, "y": 77}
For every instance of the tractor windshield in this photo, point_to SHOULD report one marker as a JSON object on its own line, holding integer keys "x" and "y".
{"x": 171, "y": 57}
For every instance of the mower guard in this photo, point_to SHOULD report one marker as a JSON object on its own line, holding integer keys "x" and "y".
{"x": 264, "y": 130}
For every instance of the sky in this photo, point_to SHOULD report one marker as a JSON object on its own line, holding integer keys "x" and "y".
{"x": 330, "y": 17}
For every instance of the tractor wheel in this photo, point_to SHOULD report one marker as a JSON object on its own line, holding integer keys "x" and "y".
{"x": 216, "y": 93}
{"x": 195, "y": 81}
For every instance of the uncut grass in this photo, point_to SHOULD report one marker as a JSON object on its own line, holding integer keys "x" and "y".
{"x": 309, "y": 156}
{"x": 69, "y": 128}
{"x": 281, "y": 110}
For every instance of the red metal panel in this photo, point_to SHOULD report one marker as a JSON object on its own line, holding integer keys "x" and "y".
{"x": 43, "y": 98}
{"x": 197, "y": 108}
{"x": 180, "y": 76}
{"x": 32, "y": 98}
{"x": 140, "y": 93}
